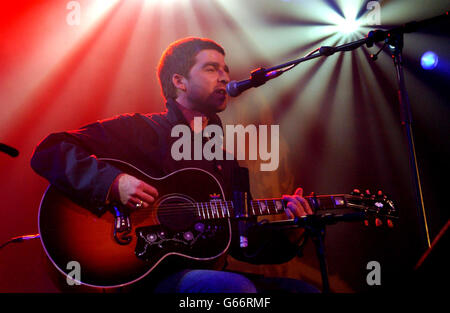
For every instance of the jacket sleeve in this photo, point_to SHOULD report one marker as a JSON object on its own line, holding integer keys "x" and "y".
{"x": 69, "y": 160}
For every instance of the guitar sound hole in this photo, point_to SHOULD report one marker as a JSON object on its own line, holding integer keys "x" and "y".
{"x": 176, "y": 213}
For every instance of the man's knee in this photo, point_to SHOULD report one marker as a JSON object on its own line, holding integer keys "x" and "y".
{"x": 215, "y": 281}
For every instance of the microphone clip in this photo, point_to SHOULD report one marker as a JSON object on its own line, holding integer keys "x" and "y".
{"x": 258, "y": 77}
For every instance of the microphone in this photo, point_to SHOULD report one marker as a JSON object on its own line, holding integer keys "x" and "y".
{"x": 235, "y": 88}
{"x": 258, "y": 78}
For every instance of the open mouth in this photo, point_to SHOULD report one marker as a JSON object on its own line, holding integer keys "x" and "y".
{"x": 221, "y": 91}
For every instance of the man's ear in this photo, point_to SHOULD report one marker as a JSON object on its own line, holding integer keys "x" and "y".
{"x": 179, "y": 82}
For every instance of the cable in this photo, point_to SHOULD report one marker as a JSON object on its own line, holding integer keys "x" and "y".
{"x": 374, "y": 57}
{"x": 294, "y": 65}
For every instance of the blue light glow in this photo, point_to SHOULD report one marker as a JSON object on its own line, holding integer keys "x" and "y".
{"x": 429, "y": 60}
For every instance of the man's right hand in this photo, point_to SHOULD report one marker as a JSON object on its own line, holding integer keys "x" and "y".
{"x": 130, "y": 191}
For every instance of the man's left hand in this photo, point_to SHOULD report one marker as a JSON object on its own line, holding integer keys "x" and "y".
{"x": 297, "y": 206}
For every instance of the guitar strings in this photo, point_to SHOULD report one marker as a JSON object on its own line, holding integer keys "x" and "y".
{"x": 199, "y": 205}
{"x": 221, "y": 205}
{"x": 206, "y": 213}
{"x": 202, "y": 206}
{"x": 188, "y": 207}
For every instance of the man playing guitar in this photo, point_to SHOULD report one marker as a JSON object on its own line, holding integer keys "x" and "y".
{"x": 193, "y": 76}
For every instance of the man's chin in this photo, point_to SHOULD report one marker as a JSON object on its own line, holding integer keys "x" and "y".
{"x": 217, "y": 107}
{"x": 221, "y": 107}
{"x": 214, "y": 105}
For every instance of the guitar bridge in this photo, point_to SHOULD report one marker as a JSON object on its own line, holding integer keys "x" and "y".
{"x": 122, "y": 227}
{"x": 155, "y": 241}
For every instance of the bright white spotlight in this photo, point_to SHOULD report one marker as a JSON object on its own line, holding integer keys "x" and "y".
{"x": 348, "y": 22}
{"x": 429, "y": 60}
{"x": 348, "y": 26}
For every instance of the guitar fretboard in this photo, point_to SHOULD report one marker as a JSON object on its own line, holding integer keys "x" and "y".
{"x": 217, "y": 209}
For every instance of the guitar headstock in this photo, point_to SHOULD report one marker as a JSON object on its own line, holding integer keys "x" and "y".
{"x": 378, "y": 208}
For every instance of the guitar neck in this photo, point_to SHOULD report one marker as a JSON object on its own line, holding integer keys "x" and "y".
{"x": 272, "y": 206}
{"x": 225, "y": 209}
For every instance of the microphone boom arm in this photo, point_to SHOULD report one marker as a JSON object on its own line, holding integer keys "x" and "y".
{"x": 261, "y": 75}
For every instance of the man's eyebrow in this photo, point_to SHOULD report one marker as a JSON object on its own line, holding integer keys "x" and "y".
{"x": 216, "y": 65}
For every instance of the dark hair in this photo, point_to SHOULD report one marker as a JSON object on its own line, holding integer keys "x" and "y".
{"x": 178, "y": 58}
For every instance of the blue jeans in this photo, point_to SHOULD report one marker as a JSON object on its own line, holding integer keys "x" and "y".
{"x": 210, "y": 281}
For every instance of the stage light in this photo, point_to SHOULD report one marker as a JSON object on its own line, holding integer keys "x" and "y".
{"x": 348, "y": 26}
{"x": 347, "y": 22}
{"x": 429, "y": 60}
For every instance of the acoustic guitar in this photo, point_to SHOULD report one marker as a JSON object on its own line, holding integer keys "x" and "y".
{"x": 190, "y": 219}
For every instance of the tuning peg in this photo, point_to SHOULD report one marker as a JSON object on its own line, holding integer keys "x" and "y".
{"x": 367, "y": 193}
{"x": 357, "y": 192}
{"x": 380, "y": 194}
{"x": 378, "y": 222}
{"x": 390, "y": 223}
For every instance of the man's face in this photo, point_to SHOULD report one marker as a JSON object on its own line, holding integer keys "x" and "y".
{"x": 206, "y": 84}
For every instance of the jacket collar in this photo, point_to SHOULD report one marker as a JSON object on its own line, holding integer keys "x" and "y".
{"x": 175, "y": 116}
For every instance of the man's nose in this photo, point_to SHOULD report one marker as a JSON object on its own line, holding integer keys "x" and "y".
{"x": 224, "y": 77}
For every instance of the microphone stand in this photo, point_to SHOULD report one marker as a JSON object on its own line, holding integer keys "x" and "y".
{"x": 393, "y": 37}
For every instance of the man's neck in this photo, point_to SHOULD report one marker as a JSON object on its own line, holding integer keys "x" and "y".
{"x": 189, "y": 115}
